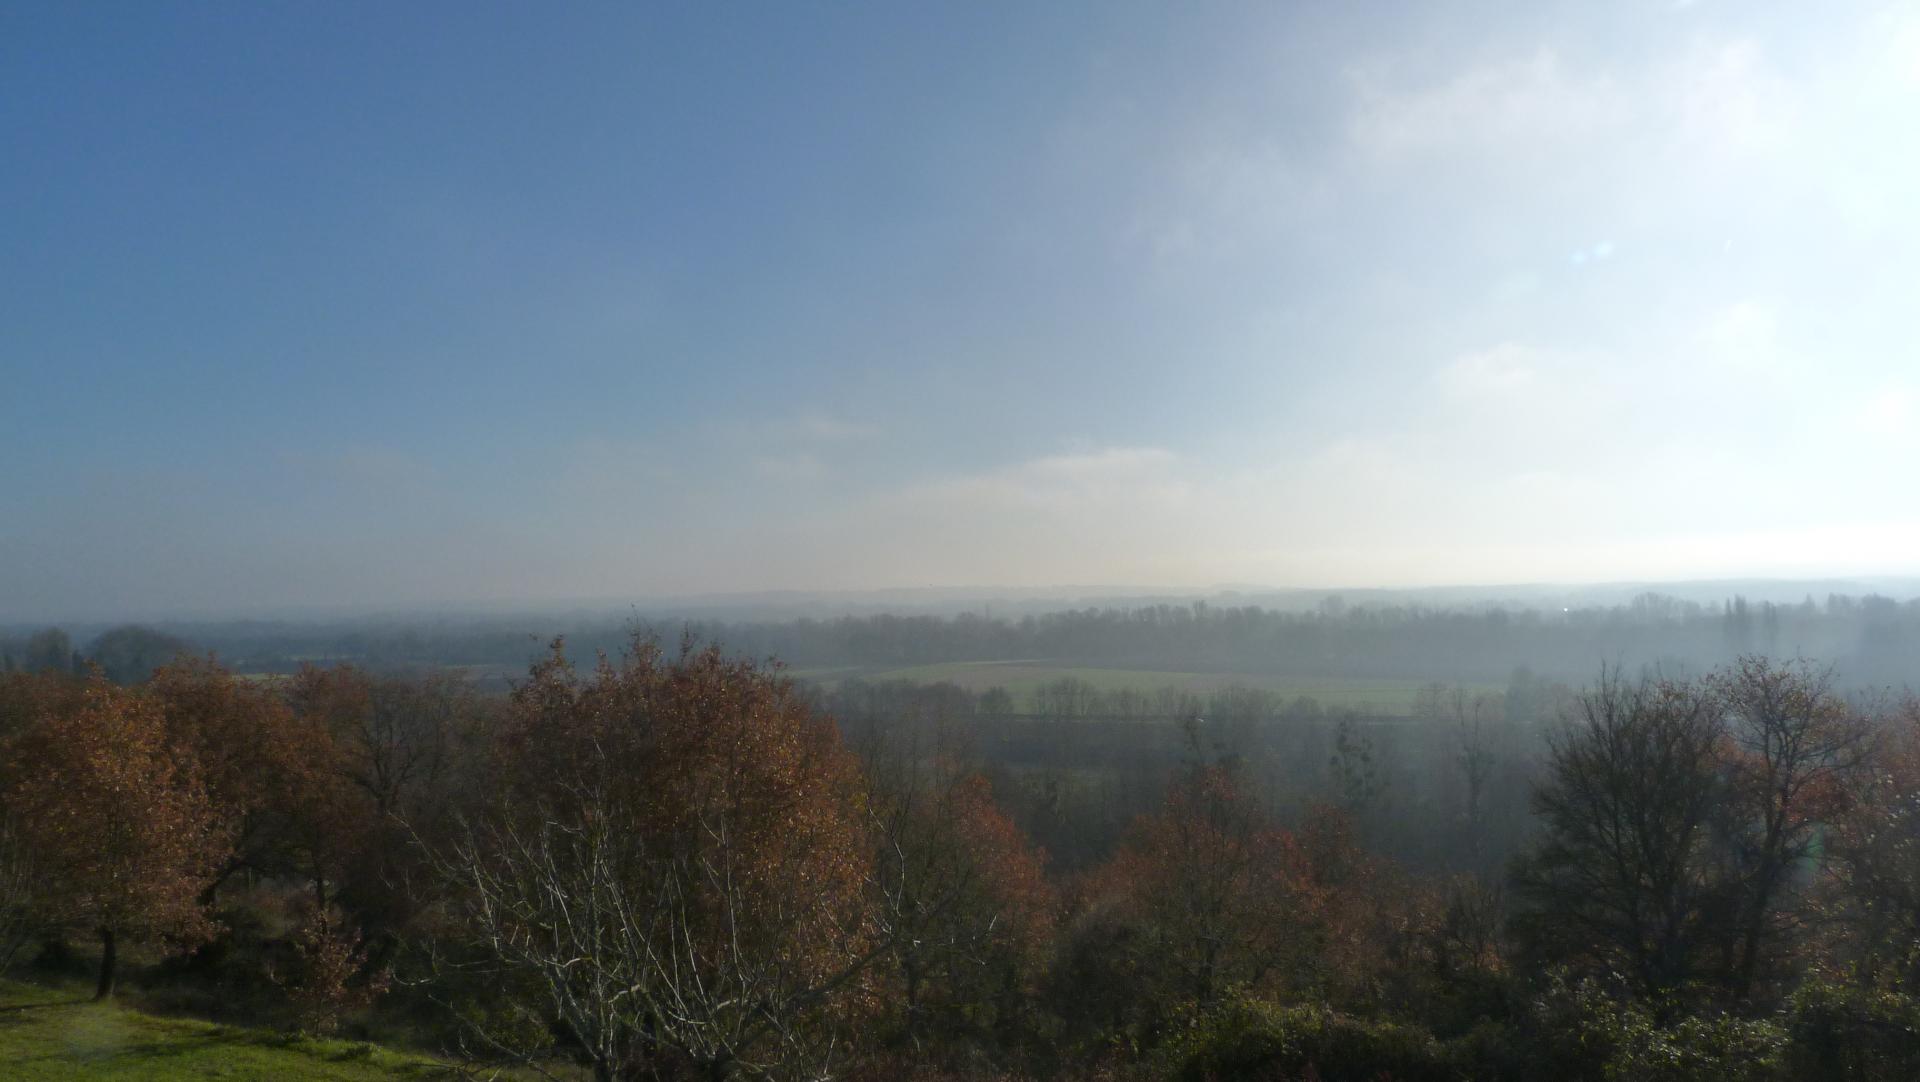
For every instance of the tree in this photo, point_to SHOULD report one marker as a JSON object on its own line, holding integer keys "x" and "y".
{"x": 963, "y": 898}
{"x": 1067, "y": 697}
{"x": 1873, "y": 860}
{"x": 49, "y": 650}
{"x": 118, "y": 820}
{"x": 129, "y": 654}
{"x": 24, "y": 698}
{"x": 1795, "y": 746}
{"x": 1353, "y": 768}
{"x": 388, "y": 773}
{"x": 1622, "y": 875}
{"x": 1470, "y": 717}
{"x": 674, "y": 854}
{"x": 396, "y": 733}
{"x": 20, "y": 889}
{"x": 263, "y": 767}
{"x": 1218, "y": 897}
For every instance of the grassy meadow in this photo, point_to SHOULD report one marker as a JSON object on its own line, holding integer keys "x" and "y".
{"x": 1023, "y": 678}
{"x": 57, "y": 1034}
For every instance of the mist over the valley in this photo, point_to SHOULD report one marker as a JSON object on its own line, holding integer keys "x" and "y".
{"x": 1866, "y": 630}
{"x": 957, "y": 542}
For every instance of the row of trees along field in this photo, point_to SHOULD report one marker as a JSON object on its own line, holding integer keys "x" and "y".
{"x": 677, "y": 864}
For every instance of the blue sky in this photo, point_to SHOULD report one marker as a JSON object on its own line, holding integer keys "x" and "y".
{"x": 365, "y": 305}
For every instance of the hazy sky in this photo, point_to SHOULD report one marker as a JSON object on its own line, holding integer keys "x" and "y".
{"x": 368, "y": 304}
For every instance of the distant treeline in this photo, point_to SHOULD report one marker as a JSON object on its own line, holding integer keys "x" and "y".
{"x": 1872, "y": 640}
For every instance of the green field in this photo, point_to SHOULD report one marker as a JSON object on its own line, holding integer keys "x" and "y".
{"x": 57, "y": 1035}
{"x": 1022, "y": 678}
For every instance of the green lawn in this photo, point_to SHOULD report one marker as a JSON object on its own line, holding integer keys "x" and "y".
{"x": 57, "y": 1035}
{"x": 1022, "y": 678}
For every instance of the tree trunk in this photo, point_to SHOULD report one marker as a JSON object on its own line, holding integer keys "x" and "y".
{"x": 1766, "y": 883}
{"x": 108, "y": 960}
{"x": 912, "y": 973}
{"x": 1750, "y": 951}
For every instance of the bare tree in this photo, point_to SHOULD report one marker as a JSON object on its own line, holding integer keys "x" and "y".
{"x": 1470, "y": 716}
{"x": 396, "y": 733}
{"x": 1622, "y": 875}
{"x": 1796, "y": 745}
{"x": 673, "y": 853}
{"x": 647, "y": 960}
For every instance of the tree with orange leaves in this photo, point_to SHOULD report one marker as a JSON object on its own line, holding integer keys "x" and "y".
{"x": 964, "y": 900}
{"x": 263, "y": 767}
{"x": 1872, "y": 860}
{"x": 119, "y": 821}
{"x": 674, "y": 852}
{"x": 24, "y": 698}
{"x": 1207, "y": 895}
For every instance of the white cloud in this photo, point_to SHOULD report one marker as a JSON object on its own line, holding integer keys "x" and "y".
{"x": 1505, "y": 370}
{"x": 1903, "y": 53}
{"x": 1672, "y": 121}
{"x": 1741, "y": 342}
{"x": 1742, "y": 329}
{"x": 1517, "y": 104}
{"x": 1730, "y": 98}
{"x": 1892, "y": 414}
{"x": 1227, "y": 195}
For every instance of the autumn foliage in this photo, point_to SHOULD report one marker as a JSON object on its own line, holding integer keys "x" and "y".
{"x": 965, "y": 903}
{"x": 264, "y": 769}
{"x": 668, "y": 864}
{"x": 1222, "y": 897}
{"x": 120, "y": 819}
{"x": 134, "y": 806}
{"x": 707, "y": 828}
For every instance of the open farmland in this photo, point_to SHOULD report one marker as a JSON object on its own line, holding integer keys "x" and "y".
{"x": 1022, "y": 678}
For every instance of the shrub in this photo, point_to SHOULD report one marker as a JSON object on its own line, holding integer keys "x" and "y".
{"x": 1255, "y": 1040}
{"x": 326, "y": 977}
{"x": 1856, "y": 1033}
{"x": 1581, "y": 1031}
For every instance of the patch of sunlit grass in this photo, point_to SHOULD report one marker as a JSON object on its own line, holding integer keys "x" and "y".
{"x": 57, "y": 1034}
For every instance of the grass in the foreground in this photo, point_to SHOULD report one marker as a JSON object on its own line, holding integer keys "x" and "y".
{"x": 57, "y": 1034}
